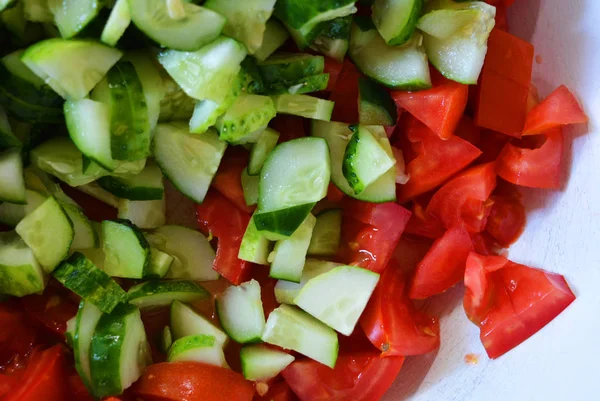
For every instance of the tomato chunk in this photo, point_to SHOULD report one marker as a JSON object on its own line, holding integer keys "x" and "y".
{"x": 345, "y": 95}
{"x": 279, "y": 391}
{"x": 423, "y": 223}
{"x": 19, "y": 340}
{"x": 228, "y": 179}
{"x": 558, "y": 109}
{"x": 333, "y": 68}
{"x": 507, "y": 219}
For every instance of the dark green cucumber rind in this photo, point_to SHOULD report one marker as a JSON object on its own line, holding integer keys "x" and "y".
{"x": 121, "y": 189}
{"x": 252, "y": 78}
{"x": 296, "y": 13}
{"x": 160, "y": 293}
{"x": 376, "y": 98}
{"x": 410, "y": 26}
{"x": 338, "y": 28}
{"x": 143, "y": 243}
{"x": 27, "y": 92}
{"x": 130, "y": 127}
{"x": 246, "y": 115}
{"x": 310, "y": 84}
{"x": 8, "y": 139}
{"x": 282, "y": 222}
{"x": 29, "y": 112}
{"x": 334, "y": 38}
{"x": 290, "y": 67}
{"x": 81, "y": 276}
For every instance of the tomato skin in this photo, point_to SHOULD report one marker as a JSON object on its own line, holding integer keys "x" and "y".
{"x": 423, "y": 223}
{"x": 333, "y": 68}
{"x": 334, "y": 194}
{"x": 358, "y": 377}
{"x": 20, "y": 339}
{"x": 228, "y": 178}
{"x": 558, "y": 109}
{"x": 289, "y": 127}
{"x": 345, "y": 95}
{"x": 279, "y": 391}
{"x": 506, "y": 221}
{"x": 479, "y": 290}
{"x": 192, "y": 381}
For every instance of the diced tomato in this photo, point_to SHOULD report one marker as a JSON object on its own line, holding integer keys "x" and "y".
{"x": 7, "y": 383}
{"x": 228, "y": 179}
{"x": 491, "y": 145}
{"x": 94, "y": 209}
{"x": 192, "y": 381}
{"x": 536, "y": 168}
{"x": 334, "y": 194}
{"x": 423, "y": 223}
{"x": 501, "y": 18}
{"x": 18, "y": 336}
{"x": 435, "y": 160}
{"x": 391, "y": 321}
{"x": 468, "y": 131}
{"x": 289, "y": 127}
{"x": 439, "y": 108}
{"x": 479, "y": 289}
{"x": 462, "y": 201}
{"x": 334, "y": 69}
{"x": 558, "y": 109}
{"x": 78, "y": 390}
{"x": 345, "y": 95}
{"x": 485, "y": 244}
{"x": 443, "y": 266}
{"x": 279, "y": 391}
{"x": 504, "y": 84}
{"x": 360, "y": 377}
{"x": 507, "y": 219}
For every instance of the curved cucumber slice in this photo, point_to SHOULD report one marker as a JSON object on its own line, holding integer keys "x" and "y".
{"x": 304, "y": 106}
{"x": 72, "y": 16}
{"x": 166, "y": 340}
{"x": 185, "y": 321}
{"x": 160, "y": 262}
{"x": 396, "y": 19}
{"x": 289, "y": 255}
{"x": 261, "y": 363}
{"x": 127, "y": 253}
{"x": 274, "y": 37}
{"x": 198, "y": 348}
{"x": 290, "y": 67}
{"x": 85, "y": 237}
{"x": 325, "y": 240}
{"x": 12, "y": 184}
{"x": 11, "y": 213}
{"x": 261, "y": 150}
{"x": 375, "y": 105}
{"x": 444, "y": 23}
{"x": 241, "y": 312}
{"x": 246, "y": 115}
{"x": 287, "y": 291}
{"x": 86, "y": 320}
{"x": 175, "y": 104}
{"x": 255, "y": 247}
{"x": 148, "y": 185}
{"x": 161, "y": 293}
{"x": 20, "y": 273}
{"x": 144, "y": 214}
{"x": 117, "y": 23}
{"x": 250, "y": 188}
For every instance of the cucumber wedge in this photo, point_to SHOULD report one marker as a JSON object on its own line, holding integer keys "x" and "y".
{"x": 325, "y": 239}
{"x": 7, "y": 138}
{"x": 185, "y": 321}
{"x": 287, "y": 291}
{"x": 334, "y": 39}
{"x": 304, "y": 106}
{"x": 290, "y": 67}
{"x": 255, "y": 247}
{"x": 148, "y": 185}
{"x": 72, "y": 16}
{"x": 198, "y": 348}
{"x": 261, "y": 150}
{"x": 396, "y": 19}
{"x": 12, "y": 184}
{"x": 160, "y": 262}
{"x": 162, "y": 293}
{"x": 117, "y": 23}
{"x": 85, "y": 236}
{"x": 12, "y": 213}
{"x": 20, "y": 272}
{"x": 289, "y": 255}
{"x": 127, "y": 253}
{"x": 250, "y": 188}
{"x": 274, "y": 37}
{"x": 261, "y": 363}
{"x": 310, "y": 84}
{"x": 246, "y": 115}
{"x": 375, "y": 105}
{"x": 86, "y": 320}
{"x": 241, "y": 312}
{"x": 144, "y": 214}
{"x": 166, "y": 340}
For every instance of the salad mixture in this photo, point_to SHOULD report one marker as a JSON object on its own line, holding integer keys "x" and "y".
{"x": 345, "y": 159}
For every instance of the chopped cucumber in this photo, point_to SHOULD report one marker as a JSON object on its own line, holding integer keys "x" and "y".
{"x": 175, "y": 104}
{"x": 43, "y": 183}
{"x": 261, "y": 363}
{"x": 176, "y": 9}
{"x": 11, "y": 213}
{"x": 443, "y": 23}
{"x": 86, "y": 320}
{"x": 70, "y": 330}
{"x": 255, "y": 247}
{"x": 246, "y": 115}
{"x": 144, "y": 214}
{"x": 241, "y": 312}
{"x": 192, "y": 253}
{"x": 274, "y": 37}
{"x": 85, "y": 237}
{"x": 81, "y": 276}
{"x": 48, "y": 231}
{"x": 208, "y": 73}
{"x": 189, "y": 161}
{"x": 160, "y": 262}
{"x": 72, "y": 16}
{"x": 250, "y": 188}
{"x": 166, "y": 340}
{"x": 325, "y": 240}
{"x": 12, "y": 184}
{"x": 38, "y": 11}
{"x": 289, "y": 255}
{"x": 127, "y": 253}
{"x": 20, "y": 273}
{"x": 88, "y": 63}
{"x": 5, "y": 4}
{"x": 95, "y": 191}
{"x": 7, "y": 138}
{"x": 291, "y": 328}
{"x": 338, "y": 297}
{"x": 185, "y": 321}
{"x": 334, "y": 39}
{"x": 261, "y": 150}
{"x": 198, "y": 348}
{"x": 148, "y": 185}
{"x": 304, "y": 106}
{"x": 375, "y": 105}
{"x": 117, "y": 23}
{"x": 310, "y": 84}
{"x": 287, "y": 291}
{"x": 396, "y": 19}
{"x": 290, "y": 67}
{"x": 161, "y": 293}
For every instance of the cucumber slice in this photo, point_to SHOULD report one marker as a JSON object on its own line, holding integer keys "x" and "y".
{"x": 86, "y": 320}
{"x": 189, "y": 161}
{"x": 291, "y": 328}
{"x": 208, "y": 73}
{"x": 88, "y": 125}
{"x": 338, "y": 297}
{"x": 287, "y": 291}
{"x": 148, "y": 185}
{"x": 326, "y": 235}
{"x": 261, "y": 150}
{"x": 12, "y": 184}
{"x": 81, "y": 276}
{"x": 337, "y": 136}
{"x": 304, "y": 106}
{"x": 246, "y": 21}
{"x": 7, "y": 138}
{"x": 365, "y": 159}
{"x": 241, "y": 312}
{"x": 198, "y": 348}
{"x": 72, "y": 16}
{"x": 443, "y": 23}
{"x": 117, "y": 23}
{"x": 89, "y": 62}
{"x": 161, "y": 293}
{"x": 176, "y": 9}
{"x": 192, "y": 253}
{"x": 246, "y": 115}
{"x": 5, "y": 4}
{"x": 95, "y": 191}
{"x": 290, "y": 67}
{"x": 43, "y": 183}
{"x": 396, "y": 19}
{"x": 127, "y": 253}
{"x": 119, "y": 352}
{"x": 289, "y": 255}
{"x": 334, "y": 39}
{"x": 274, "y": 37}
{"x": 403, "y": 67}
{"x": 48, "y": 232}
{"x": 200, "y": 26}
{"x": 144, "y": 214}
{"x": 20, "y": 273}
{"x": 166, "y": 340}
{"x": 185, "y": 321}
{"x": 261, "y": 363}
{"x": 255, "y": 247}
{"x": 250, "y": 188}
{"x": 281, "y": 224}
{"x": 160, "y": 262}
{"x": 11, "y": 213}
{"x": 26, "y": 111}
{"x": 70, "y": 331}
{"x": 375, "y": 105}
{"x": 175, "y": 105}
{"x": 314, "y": 83}
{"x": 85, "y": 237}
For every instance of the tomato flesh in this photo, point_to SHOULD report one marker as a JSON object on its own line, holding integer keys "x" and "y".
{"x": 558, "y": 109}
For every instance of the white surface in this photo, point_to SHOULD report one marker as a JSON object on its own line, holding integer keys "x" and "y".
{"x": 563, "y": 235}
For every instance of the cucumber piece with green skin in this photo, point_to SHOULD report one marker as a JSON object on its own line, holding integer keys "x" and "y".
{"x": 89, "y": 62}
{"x": 290, "y": 67}
{"x": 197, "y": 348}
{"x": 12, "y": 184}
{"x": 175, "y": 105}
{"x": 81, "y": 276}
{"x": 127, "y": 253}
{"x": 48, "y": 231}
{"x": 72, "y": 16}
{"x": 208, "y": 73}
{"x": 291, "y": 328}
{"x": 189, "y": 161}
{"x": 86, "y": 320}
{"x": 119, "y": 351}
{"x": 443, "y": 23}
{"x": 7, "y": 138}
{"x": 261, "y": 150}
{"x": 144, "y": 214}
{"x": 40, "y": 181}
{"x": 289, "y": 255}
{"x": 192, "y": 253}
{"x": 338, "y": 297}
{"x": 148, "y": 185}
{"x": 12, "y": 213}
{"x": 287, "y": 291}
{"x": 274, "y": 37}
{"x": 404, "y": 67}
{"x": 185, "y": 321}
{"x": 20, "y": 272}
{"x": 375, "y": 105}
{"x": 281, "y": 224}
{"x": 85, "y": 237}
{"x": 38, "y": 11}
{"x": 250, "y": 188}
{"x": 314, "y": 83}
{"x": 396, "y": 19}
{"x": 29, "y": 112}
{"x": 247, "y": 114}
{"x": 261, "y": 363}
{"x": 246, "y": 21}
{"x": 304, "y": 106}
{"x": 161, "y": 293}
{"x": 160, "y": 262}
{"x": 334, "y": 39}
{"x": 241, "y": 312}
{"x": 117, "y": 23}
{"x": 365, "y": 159}
{"x": 166, "y": 340}
{"x": 255, "y": 247}
{"x": 337, "y": 136}
{"x": 4, "y": 4}
{"x": 95, "y": 191}
{"x": 325, "y": 240}
{"x": 88, "y": 125}
{"x": 253, "y": 81}
{"x": 200, "y": 27}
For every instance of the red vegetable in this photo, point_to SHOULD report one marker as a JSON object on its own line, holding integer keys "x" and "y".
{"x": 423, "y": 223}
{"x": 18, "y": 336}
{"x": 279, "y": 391}
{"x": 507, "y": 219}
{"x": 558, "y": 109}
{"x": 333, "y": 68}
{"x": 345, "y": 95}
